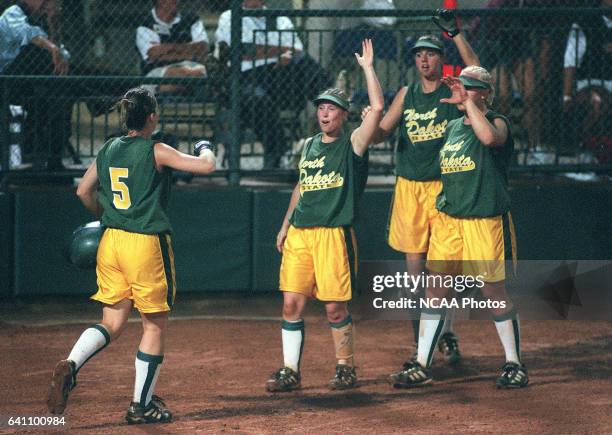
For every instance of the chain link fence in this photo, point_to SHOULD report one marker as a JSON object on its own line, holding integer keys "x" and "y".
{"x": 551, "y": 66}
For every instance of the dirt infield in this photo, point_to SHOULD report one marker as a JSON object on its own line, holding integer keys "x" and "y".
{"x": 214, "y": 373}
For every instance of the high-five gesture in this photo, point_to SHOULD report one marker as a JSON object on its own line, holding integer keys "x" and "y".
{"x": 459, "y": 93}
{"x": 367, "y": 57}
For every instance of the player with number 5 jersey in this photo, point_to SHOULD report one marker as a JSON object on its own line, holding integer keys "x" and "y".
{"x": 129, "y": 185}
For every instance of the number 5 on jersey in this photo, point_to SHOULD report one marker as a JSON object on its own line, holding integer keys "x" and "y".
{"x": 121, "y": 193}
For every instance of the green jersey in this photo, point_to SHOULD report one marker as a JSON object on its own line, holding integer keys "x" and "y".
{"x": 422, "y": 126}
{"x": 474, "y": 176}
{"x": 132, "y": 192}
{"x": 332, "y": 178}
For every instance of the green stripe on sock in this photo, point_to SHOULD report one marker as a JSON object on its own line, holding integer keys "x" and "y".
{"x": 342, "y": 323}
{"x": 104, "y": 332}
{"x": 292, "y": 326}
{"x": 511, "y": 314}
{"x": 517, "y": 337}
{"x": 107, "y": 337}
{"x": 156, "y": 359}
{"x": 435, "y": 341}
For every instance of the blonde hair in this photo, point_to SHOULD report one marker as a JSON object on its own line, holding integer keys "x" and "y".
{"x": 483, "y": 75}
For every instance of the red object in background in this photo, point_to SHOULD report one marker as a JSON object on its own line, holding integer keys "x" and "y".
{"x": 447, "y": 69}
{"x": 451, "y": 70}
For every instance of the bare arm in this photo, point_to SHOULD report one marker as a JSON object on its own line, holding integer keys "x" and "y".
{"x": 391, "y": 119}
{"x": 490, "y": 134}
{"x": 363, "y": 135}
{"x": 165, "y": 155}
{"x": 176, "y": 52}
{"x": 59, "y": 62}
{"x": 282, "y": 234}
{"x": 88, "y": 190}
{"x": 468, "y": 55}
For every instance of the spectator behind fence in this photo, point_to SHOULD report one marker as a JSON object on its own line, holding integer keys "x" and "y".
{"x": 587, "y": 82}
{"x": 172, "y": 44}
{"x": 25, "y": 49}
{"x": 508, "y": 47}
{"x": 275, "y": 73}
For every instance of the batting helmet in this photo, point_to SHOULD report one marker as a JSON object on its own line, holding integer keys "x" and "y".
{"x": 82, "y": 245}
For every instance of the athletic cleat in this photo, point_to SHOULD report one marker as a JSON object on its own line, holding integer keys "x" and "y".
{"x": 62, "y": 382}
{"x": 283, "y": 380}
{"x": 513, "y": 376}
{"x": 449, "y": 347}
{"x": 154, "y": 412}
{"x": 412, "y": 375}
{"x": 345, "y": 378}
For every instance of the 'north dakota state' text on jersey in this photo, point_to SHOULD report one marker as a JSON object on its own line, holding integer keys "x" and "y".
{"x": 332, "y": 178}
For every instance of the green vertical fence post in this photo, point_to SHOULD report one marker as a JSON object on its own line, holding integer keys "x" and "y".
{"x": 236, "y": 62}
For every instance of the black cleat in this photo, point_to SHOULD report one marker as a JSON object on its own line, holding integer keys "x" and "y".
{"x": 412, "y": 375}
{"x": 154, "y": 412}
{"x": 513, "y": 376}
{"x": 449, "y": 347}
{"x": 62, "y": 383}
{"x": 345, "y": 378}
{"x": 283, "y": 380}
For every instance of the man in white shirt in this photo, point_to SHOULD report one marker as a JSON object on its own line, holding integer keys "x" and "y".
{"x": 587, "y": 77}
{"x": 172, "y": 44}
{"x": 276, "y": 72}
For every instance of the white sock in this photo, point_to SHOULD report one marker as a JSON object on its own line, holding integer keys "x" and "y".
{"x": 293, "y": 342}
{"x": 509, "y": 334}
{"x": 430, "y": 328}
{"x": 449, "y": 319}
{"x": 92, "y": 340}
{"x": 147, "y": 371}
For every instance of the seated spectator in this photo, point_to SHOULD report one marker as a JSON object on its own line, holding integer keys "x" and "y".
{"x": 276, "y": 73}
{"x": 172, "y": 44}
{"x": 587, "y": 82}
{"x": 25, "y": 49}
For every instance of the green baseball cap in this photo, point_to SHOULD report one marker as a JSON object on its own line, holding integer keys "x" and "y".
{"x": 474, "y": 82}
{"x": 334, "y": 96}
{"x": 428, "y": 41}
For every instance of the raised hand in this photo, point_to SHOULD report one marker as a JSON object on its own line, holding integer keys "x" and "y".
{"x": 367, "y": 57}
{"x": 459, "y": 93}
{"x": 365, "y": 111}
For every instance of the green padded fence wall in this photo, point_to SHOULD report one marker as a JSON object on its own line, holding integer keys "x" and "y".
{"x": 212, "y": 238}
{"x": 269, "y": 208}
{"x": 43, "y": 221}
{"x": 571, "y": 222}
{"x": 224, "y": 240}
{"x": 6, "y": 244}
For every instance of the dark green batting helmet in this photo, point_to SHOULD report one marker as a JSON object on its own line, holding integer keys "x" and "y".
{"x": 82, "y": 245}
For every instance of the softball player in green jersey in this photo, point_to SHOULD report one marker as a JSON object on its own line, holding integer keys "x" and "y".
{"x": 129, "y": 183}
{"x": 473, "y": 234}
{"x": 422, "y": 120}
{"x": 317, "y": 239}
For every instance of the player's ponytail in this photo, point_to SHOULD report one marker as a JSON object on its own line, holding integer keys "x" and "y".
{"x": 135, "y": 107}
